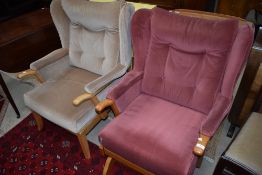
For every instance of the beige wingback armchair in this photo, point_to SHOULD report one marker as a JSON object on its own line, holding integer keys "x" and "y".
{"x": 96, "y": 50}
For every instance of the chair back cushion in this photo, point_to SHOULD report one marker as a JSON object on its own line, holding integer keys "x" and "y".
{"x": 93, "y": 34}
{"x": 187, "y": 58}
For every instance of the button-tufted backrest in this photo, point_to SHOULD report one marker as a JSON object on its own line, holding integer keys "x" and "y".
{"x": 185, "y": 59}
{"x": 94, "y": 34}
{"x": 94, "y": 42}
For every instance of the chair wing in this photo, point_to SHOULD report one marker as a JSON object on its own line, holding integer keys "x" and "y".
{"x": 186, "y": 65}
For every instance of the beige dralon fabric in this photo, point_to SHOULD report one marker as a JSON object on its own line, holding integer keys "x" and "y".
{"x": 97, "y": 52}
{"x": 126, "y": 53}
{"x": 94, "y": 16}
{"x": 53, "y": 99}
{"x": 93, "y": 34}
{"x": 49, "y": 59}
{"x": 246, "y": 148}
{"x": 95, "y": 85}
{"x": 56, "y": 69}
{"x": 61, "y": 22}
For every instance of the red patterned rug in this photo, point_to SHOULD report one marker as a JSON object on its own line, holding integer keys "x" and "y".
{"x": 25, "y": 150}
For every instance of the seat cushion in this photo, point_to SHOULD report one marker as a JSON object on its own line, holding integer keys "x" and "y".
{"x": 155, "y": 134}
{"x": 53, "y": 99}
{"x": 246, "y": 148}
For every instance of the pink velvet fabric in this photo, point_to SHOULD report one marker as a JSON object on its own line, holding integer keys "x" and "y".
{"x": 182, "y": 83}
{"x": 127, "y": 89}
{"x": 140, "y": 33}
{"x": 236, "y": 59}
{"x": 157, "y": 140}
{"x": 187, "y": 68}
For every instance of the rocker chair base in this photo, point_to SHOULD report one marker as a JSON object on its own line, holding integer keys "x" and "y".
{"x": 112, "y": 157}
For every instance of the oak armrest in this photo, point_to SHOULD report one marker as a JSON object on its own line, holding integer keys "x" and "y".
{"x": 201, "y": 144}
{"x": 100, "y": 107}
{"x": 82, "y": 98}
{"x": 28, "y": 73}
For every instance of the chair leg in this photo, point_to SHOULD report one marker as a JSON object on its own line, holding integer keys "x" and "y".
{"x": 39, "y": 121}
{"x": 199, "y": 161}
{"x": 108, "y": 166}
{"x": 84, "y": 144}
{"x": 220, "y": 166}
{"x": 102, "y": 151}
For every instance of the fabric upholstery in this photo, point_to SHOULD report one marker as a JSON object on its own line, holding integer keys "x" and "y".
{"x": 220, "y": 108}
{"x": 53, "y": 99}
{"x": 49, "y": 59}
{"x": 94, "y": 34}
{"x": 89, "y": 14}
{"x": 56, "y": 69}
{"x": 102, "y": 81}
{"x": 246, "y": 148}
{"x": 141, "y": 22}
{"x": 88, "y": 50}
{"x": 237, "y": 58}
{"x": 127, "y": 89}
{"x": 61, "y": 22}
{"x": 126, "y": 15}
{"x": 196, "y": 63}
{"x": 137, "y": 135}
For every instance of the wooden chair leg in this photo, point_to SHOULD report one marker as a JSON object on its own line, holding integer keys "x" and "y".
{"x": 84, "y": 144}
{"x": 39, "y": 121}
{"x": 199, "y": 161}
{"x": 220, "y": 167}
{"x": 102, "y": 151}
{"x": 108, "y": 166}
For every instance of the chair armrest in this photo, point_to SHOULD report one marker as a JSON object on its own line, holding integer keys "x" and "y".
{"x": 218, "y": 112}
{"x": 97, "y": 85}
{"x": 216, "y": 115}
{"x": 81, "y": 98}
{"x": 101, "y": 106}
{"x": 126, "y": 83}
{"x": 29, "y": 73}
{"x": 127, "y": 89}
{"x": 49, "y": 59}
{"x": 201, "y": 144}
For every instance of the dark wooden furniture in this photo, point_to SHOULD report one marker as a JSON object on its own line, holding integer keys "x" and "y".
{"x": 12, "y": 8}
{"x": 25, "y": 39}
{"x": 238, "y": 8}
{"x": 204, "y": 5}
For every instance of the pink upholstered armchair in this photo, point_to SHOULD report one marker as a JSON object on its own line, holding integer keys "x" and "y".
{"x": 185, "y": 69}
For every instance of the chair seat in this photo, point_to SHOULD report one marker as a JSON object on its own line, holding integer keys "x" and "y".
{"x": 139, "y": 135}
{"x": 53, "y": 99}
{"x": 246, "y": 148}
